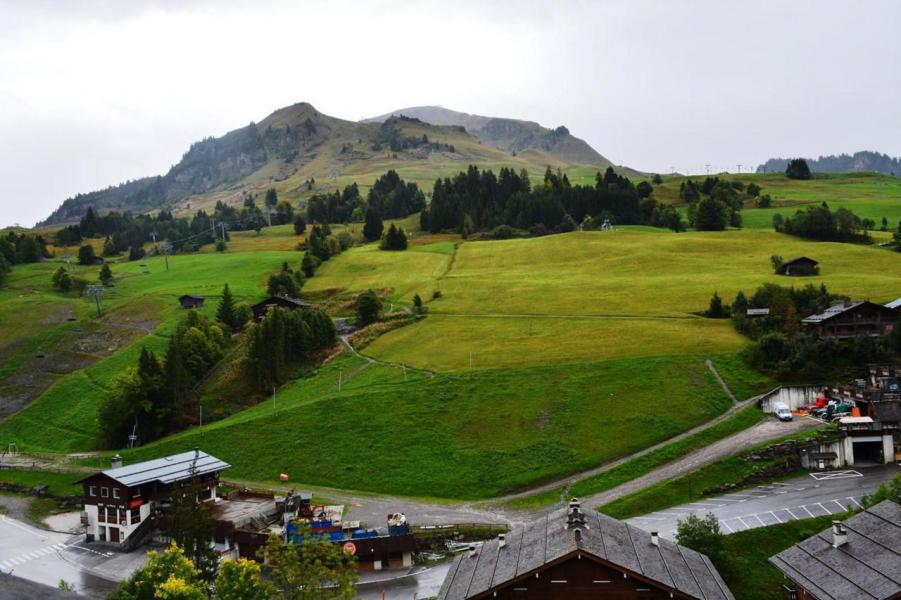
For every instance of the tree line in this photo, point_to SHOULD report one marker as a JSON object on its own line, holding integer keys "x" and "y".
{"x": 390, "y": 197}
{"x": 821, "y": 223}
{"x": 478, "y": 200}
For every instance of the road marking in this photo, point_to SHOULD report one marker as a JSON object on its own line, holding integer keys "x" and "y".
{"x": 726, "y": 525}
{"x": 9, "y": 521}
{"x": 807, "y": 510}
{"x": 793, "y": 514}
{"x": 835, "y": 475}
{"x": 840, "y": 507}
{"x": 859, "y": 505}
{"x": 757, "y": 516}
{"x": 820, "y": 504}
{"x": 776, "y": 517}
{"x": 743, "y": 522}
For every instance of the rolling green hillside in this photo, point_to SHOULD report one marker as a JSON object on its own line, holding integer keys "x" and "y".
{"x": 540, "y": 352}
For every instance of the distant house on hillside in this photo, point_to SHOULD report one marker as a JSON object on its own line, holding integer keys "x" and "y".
{"x": 758, "y": 312}
{"x": 853, "y": 319}
{"x": 572, "y": 555}
{"x": 799, "y": 266}
{"x": 261, "y": 308}
{"x": 860, "y": 558}
{"x": 189, "y": 301}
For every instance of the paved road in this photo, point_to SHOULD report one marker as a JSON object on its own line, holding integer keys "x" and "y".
{"x": 46, "y": 557}
{"x": 811, "y": 495}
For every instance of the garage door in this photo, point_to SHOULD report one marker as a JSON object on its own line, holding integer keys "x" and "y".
{"x": 867, "y": 450}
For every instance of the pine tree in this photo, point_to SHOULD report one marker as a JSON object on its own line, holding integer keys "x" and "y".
{"x": 86, "y": 255}
{"x": 308, "y": 264}
{"x": 225, "y": 313}
{"x": 109, "y": 248}
{"x": 367, "y": 308}
{"x": 373, "y": 228}
{"x": 106, "y": 275}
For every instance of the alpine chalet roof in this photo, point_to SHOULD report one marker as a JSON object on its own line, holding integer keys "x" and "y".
{"x": 168, "y": 469}
{"x": 866, "y": 567}
{"x": 894, "y": 304}
{"x": 837, "y": 309}
{"x": 531, "y": 547}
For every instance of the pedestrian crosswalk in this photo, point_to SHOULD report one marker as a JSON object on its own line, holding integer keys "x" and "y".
{"x": 11, "y": 563}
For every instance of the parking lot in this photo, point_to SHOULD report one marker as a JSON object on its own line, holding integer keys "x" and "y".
{"x": 811, "y": 495}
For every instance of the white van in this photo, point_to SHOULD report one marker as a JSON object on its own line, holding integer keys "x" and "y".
{"x": 782, "y": 412}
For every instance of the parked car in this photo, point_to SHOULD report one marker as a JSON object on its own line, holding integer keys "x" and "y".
{"x": 783, "y": 412}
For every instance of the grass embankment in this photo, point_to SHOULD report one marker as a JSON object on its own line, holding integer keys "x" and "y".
{"x": 688, "y": 488}
{"x": 58, "y": 484}
{"x": 645, "y": 464}
{"x": 461, "y": 438}
{"x": 745, "y": 568}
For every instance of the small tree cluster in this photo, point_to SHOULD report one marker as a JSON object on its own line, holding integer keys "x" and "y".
{"x": 231, "y": 314}
{"x": 287, "y": 282}
{"x": 822, "y": 224}
{"x": 368, "y": 308}
{"x": 282, "y": 339}
{"x": 797, "y": 168}
{"x": 394, "y": 239}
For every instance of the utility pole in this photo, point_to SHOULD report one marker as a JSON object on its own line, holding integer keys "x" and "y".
{"x": 167, "y": 248}
{"x": 739, "y": 167}
{"x": 708, "y": 169}
{"x": 222, "y": 227}
{"x": 97, "y": 292}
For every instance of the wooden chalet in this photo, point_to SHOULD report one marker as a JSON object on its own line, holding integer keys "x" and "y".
{"x": 261, "y": 308}
{"x": 189, "y": 301}
{"x": 570, "y": 554}
{"x": 800, "y": 266}
{"x": 120, "y": 503}
{"x": 853, "y": 319}
{"x": 856, "y": 559}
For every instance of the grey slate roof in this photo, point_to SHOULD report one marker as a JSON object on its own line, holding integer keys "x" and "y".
{"x": 866, "y": 567}
{"x": 838, "y": 309}
{"x": 169, "y": 469}
{"x": 529, "y": 548}
{"x": 894, "y": 303}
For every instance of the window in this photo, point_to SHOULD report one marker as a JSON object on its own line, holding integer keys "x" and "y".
{"x": 104, "y": 492}
{"x": 135, "y": 515}
{"x": 92, "y": 490}
{"x": 115, "y": 492}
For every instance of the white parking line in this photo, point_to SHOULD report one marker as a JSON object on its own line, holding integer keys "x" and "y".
{"x": 726, "y": 525}
{"x": 743, "y": 522}
{"x": 807, "y": 510}
{"x": 840, "y": 507}
{"x": 859, "y": 505}
{"x": 793, "y": 514}
{"x": 820, "y": 504}
{"x": 776, "y": 517}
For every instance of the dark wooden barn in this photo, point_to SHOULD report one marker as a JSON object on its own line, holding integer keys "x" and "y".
{"x": 853, "y": 319}
{"x": 571, "y": 555}
{"x": 189, "y": 301}
{"x": 261, "y": 308}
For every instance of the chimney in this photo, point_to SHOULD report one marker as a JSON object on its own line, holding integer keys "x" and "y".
{"x": 575, "y": 519}
{"x": 116, "y": 462}
{"x": 501, "y": 540}
{"x": 839, "y": 534}
{"x": 655, "y": 538}
{"x": 472, "y": 551}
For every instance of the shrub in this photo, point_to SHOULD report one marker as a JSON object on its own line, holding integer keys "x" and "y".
{"x": 367, "y": 309}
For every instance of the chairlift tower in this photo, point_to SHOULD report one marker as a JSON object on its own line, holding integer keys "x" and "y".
{"x": 96, "y": 292}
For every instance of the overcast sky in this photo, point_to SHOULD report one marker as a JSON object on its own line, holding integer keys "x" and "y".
{"x": 93, "y": 93}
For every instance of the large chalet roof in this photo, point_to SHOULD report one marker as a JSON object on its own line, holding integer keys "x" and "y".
{"x": 838, "y": 309}
{"x": 284, "y": 301}
{"x": 801, "y": 260}
{"x": 168, "y": 469}
{"x": 866, "y": 567}
{"x": 527, "y": 549}
{"x": 894, "y": 303}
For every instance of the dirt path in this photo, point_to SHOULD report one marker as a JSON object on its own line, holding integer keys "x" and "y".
{"x": 762, "y": 432}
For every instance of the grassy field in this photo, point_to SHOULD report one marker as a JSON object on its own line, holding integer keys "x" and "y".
{"x": 461, "y": 437}
{"x": 58, "y": 484}
{"x": 691, "y": 487}
{"x": 745, "y": 568}
{"x": 529, "y": 301}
